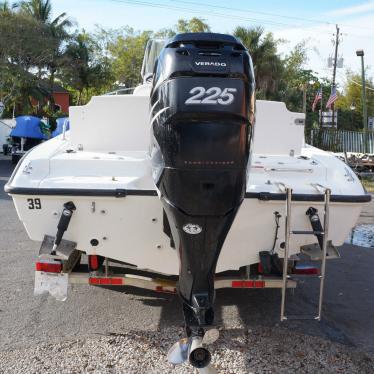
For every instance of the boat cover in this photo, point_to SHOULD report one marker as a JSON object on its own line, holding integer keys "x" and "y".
{"x": 28, "y": 127}
{"x": 60, "y": 126}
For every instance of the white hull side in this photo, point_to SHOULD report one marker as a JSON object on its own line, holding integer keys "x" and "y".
{"x": 133, "y": 228}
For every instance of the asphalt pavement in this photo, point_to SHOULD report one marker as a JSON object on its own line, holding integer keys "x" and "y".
{"x": 25, "y": 320}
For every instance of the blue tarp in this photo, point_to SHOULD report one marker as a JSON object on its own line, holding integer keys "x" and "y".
{"x": 60, "y": 126}
{"x": 28, "y": 127}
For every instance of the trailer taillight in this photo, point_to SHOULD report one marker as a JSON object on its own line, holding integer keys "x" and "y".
{"x": 104, "y": 281}
{"x": 305, "y": 270}
{"x": 248, "y": 284}
{"x": 48, "y": 267}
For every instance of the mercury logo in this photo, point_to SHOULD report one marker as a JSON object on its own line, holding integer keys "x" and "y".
{"x": 192, "y": 228}
{"x": 210, "y": 63}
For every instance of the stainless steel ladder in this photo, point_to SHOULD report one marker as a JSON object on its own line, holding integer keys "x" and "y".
{"x": 288, "y": 233}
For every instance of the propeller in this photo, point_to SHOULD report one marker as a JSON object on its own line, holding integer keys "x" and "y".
{"x": 192, "y": 349}
{"x": 210, "y": 336}
{"x": 178, "y": 353}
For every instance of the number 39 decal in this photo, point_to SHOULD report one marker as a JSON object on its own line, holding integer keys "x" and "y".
{"x": 212, "y": 96}
{"x": 34, "y": 203}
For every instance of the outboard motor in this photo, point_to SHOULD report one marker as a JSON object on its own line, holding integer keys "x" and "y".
{"x": 202, "y": 106}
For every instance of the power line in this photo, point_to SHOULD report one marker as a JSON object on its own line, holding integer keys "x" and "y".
{"x": 359, "y": 84}
{"x": 269, "y": 14}
{"x": 249, "y": 11}
{"x": 215, "y": 14}
{"x": 222, "y": 15}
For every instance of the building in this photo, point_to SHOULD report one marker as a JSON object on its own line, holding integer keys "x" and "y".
{"x": 61, "y": 96}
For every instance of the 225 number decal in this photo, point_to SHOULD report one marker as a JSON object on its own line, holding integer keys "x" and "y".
{"x": 34, "y": 203}
{"x": 211, "y": 96}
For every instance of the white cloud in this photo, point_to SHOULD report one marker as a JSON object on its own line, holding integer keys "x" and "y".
{"x": 356, "y": 9}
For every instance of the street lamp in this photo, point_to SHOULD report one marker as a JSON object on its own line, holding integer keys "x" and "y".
{"x": 360, "y": 53}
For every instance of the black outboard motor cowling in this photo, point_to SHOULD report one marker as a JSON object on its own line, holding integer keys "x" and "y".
{"x": 201, "y": 114}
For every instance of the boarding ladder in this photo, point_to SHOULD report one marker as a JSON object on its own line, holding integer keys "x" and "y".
{"x": 288, "y": 233}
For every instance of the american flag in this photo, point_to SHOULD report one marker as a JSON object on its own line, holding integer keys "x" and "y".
{"x": 333, "y": 97}
{"x": 316, "y": 99}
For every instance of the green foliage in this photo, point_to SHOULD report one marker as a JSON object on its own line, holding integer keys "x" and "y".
{"x": 126, "y": 49}
{"x": 41, "y": 11}
{"x": 6, "y": 6}
{"x": 195, "y": 24}
{"x": 83, "y": 69}
{"x": 25, "y": 46}
{"x": 30, "y": 42}
{"x": 34, "y": 46}
{"x": 267, "y": 63}
{"x": 351, "y": 118}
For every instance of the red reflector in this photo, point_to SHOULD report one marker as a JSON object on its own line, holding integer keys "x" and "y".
{"x": 94, "y": 262}
{"x": 48, "y": 267}
{"x": 106, "y": 281}
{"x": 306, "y": 271}
{"x": 248, "y": 284}
{"x": 162, "y": 289}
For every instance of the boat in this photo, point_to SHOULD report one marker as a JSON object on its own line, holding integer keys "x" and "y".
{"x": 188, "y": 179}
{"x": 25, "y": 135}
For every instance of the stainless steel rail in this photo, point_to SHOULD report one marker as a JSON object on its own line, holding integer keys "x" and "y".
{"x": 288, "y": 233}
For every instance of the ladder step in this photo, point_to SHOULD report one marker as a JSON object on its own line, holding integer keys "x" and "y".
{"x": 300, "y": 317}
{"x": 307, "y": 232}
{"x": 296, "y": 276}
{"x": 322, "y": 233}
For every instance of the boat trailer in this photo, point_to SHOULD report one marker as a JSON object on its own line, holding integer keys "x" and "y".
{"x": 58, "y": 267}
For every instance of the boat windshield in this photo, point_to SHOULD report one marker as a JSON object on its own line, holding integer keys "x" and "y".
{"x": 152, "y": 51}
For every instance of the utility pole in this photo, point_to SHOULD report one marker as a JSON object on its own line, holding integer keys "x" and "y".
{"x": 321, "y": 114}
{"x": 334, "y": 70}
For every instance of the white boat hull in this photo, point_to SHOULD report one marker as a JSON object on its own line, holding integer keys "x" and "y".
{"x": 92, "y": 170}
{"x": 130, "y": 229}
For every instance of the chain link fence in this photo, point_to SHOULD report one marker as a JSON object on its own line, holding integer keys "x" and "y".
{"x": 341, "y": 140}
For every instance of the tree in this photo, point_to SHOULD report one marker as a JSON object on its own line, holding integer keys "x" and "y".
{"x": 266, "y": 61}
{"x": 349, "y": 102}
{"x": 41, "y": 10}
{"x": 295, "y": 79}
{"x": 126, "y": 50}
{"x": 25, "y": 46}
{"x": 195, "y": 24}
{"x": 6, "y": 6}
{"x": 81, "y": 70}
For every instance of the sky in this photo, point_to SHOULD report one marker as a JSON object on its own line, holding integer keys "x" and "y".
{"x": 291, "y": 20}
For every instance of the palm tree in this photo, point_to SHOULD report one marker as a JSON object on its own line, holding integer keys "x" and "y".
{"x": 6, "y": 6}
{"x": 267, "y": 63}
{"x": 82, "y": 70}
{"x": 41, "y": 10}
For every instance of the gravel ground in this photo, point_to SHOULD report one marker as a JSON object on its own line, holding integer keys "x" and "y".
{"x": 126, "y": 330}
{"x": 261, "y": 350}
